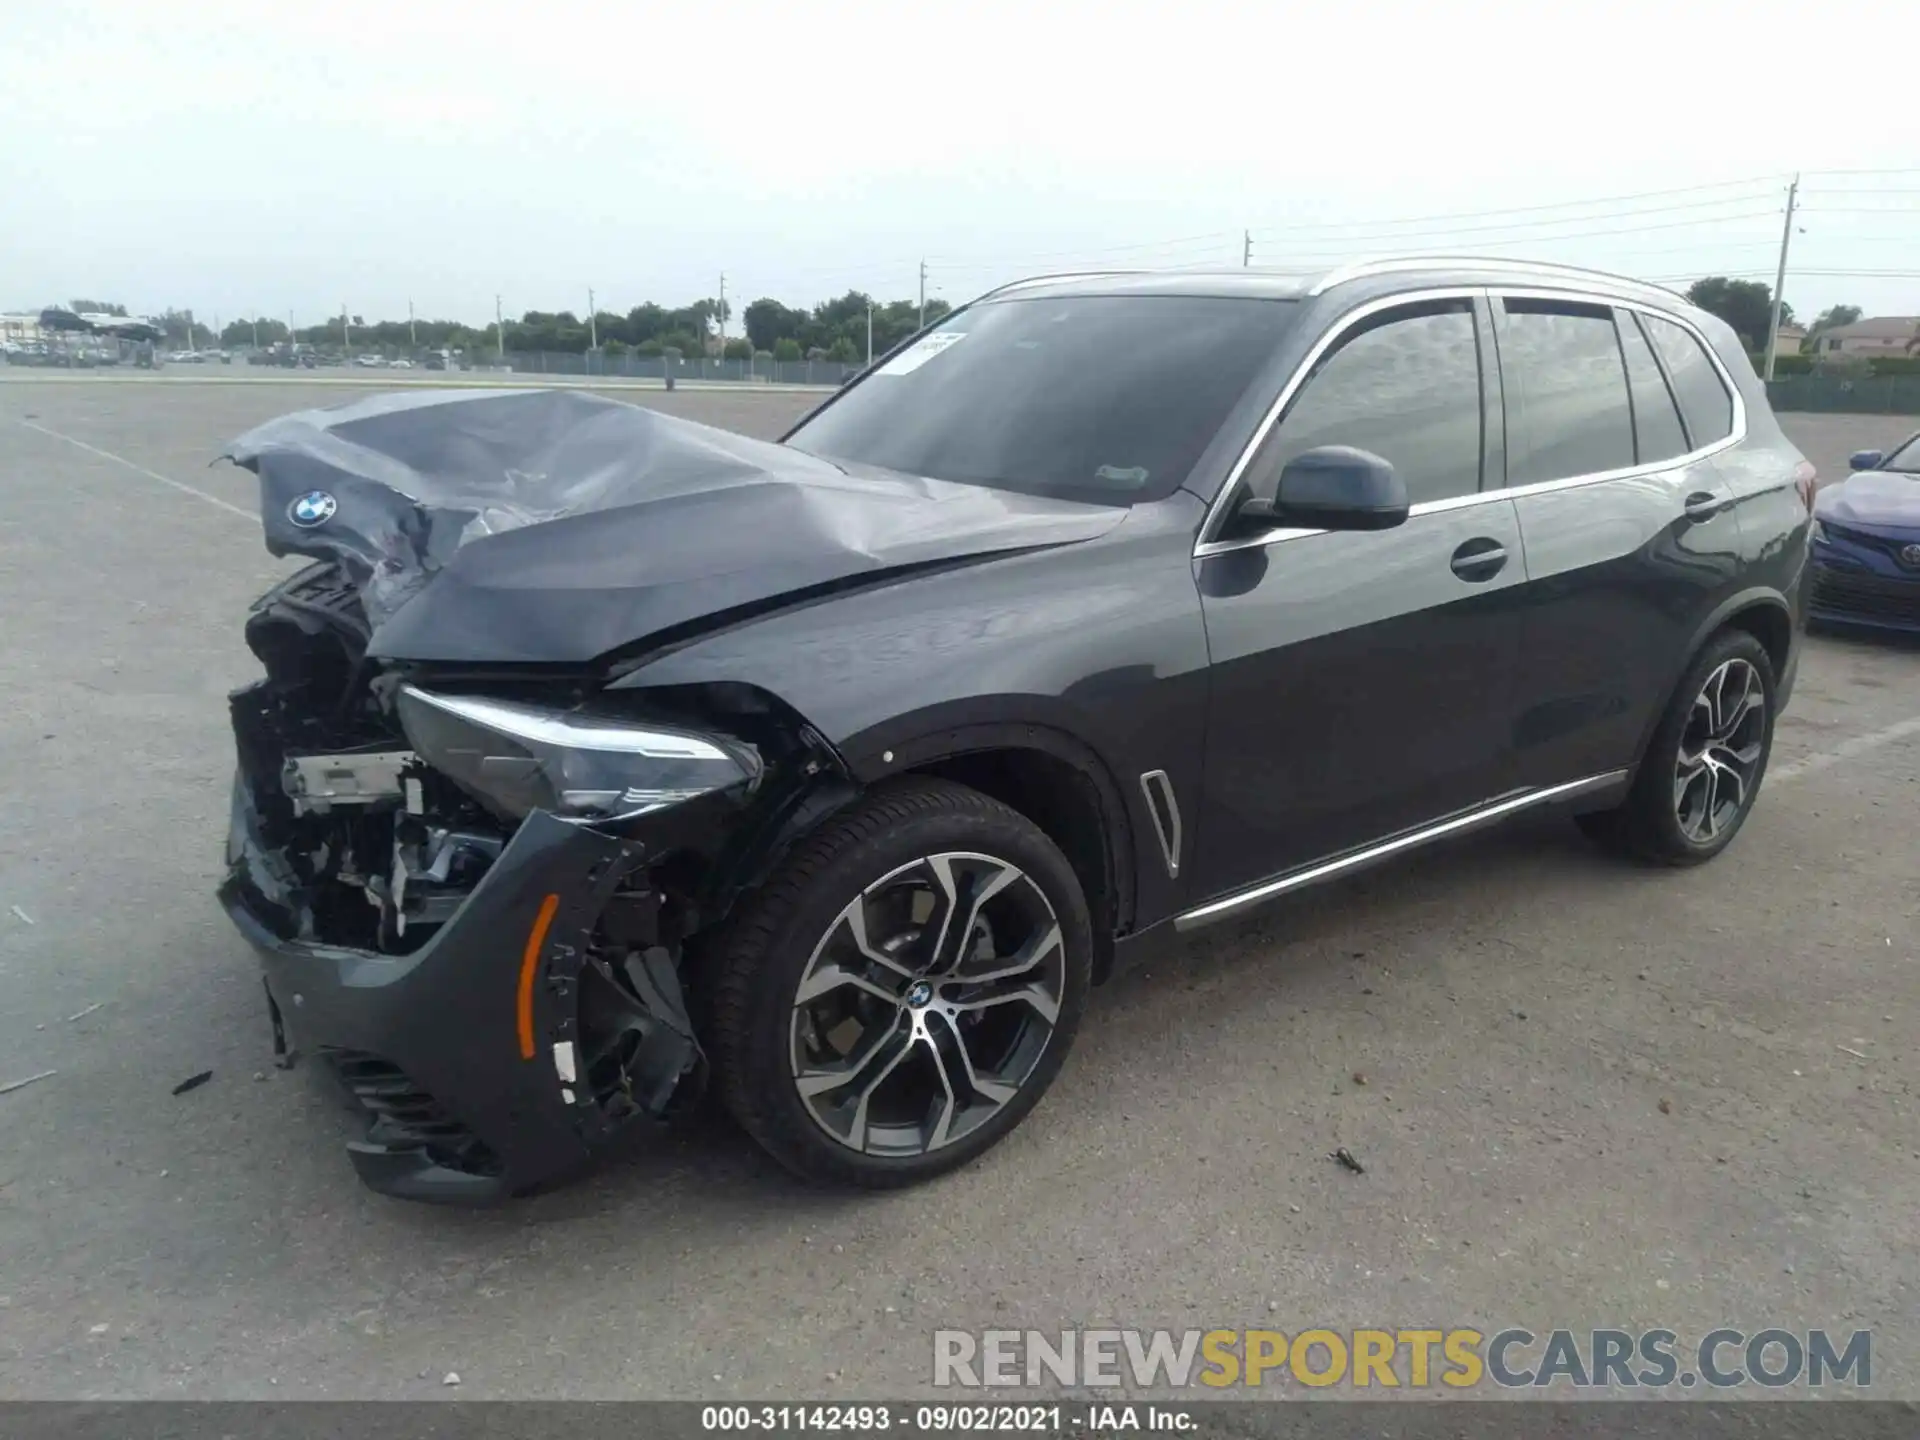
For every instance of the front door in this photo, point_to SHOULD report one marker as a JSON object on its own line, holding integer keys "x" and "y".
{"x": 1362, "y": 683}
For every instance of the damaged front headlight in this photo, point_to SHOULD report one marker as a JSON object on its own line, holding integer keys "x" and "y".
{"x": 519, "y": 758}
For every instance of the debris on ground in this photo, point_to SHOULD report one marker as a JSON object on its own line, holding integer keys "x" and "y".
{"x": 82, "y": 1014}
{"x": 1519, "y": 1014}
{"x": 1346, "y": 1158}
{"x": 193, "y": 1082}
{"x": 13, "y": 1085}
{"x": 1848, "y": 1050}
{"x": 452, "y": 1378}
{"x": 1359, "y": 1077}
{"x": 22, "y": 914}
{"x": 1666, "y": 1106}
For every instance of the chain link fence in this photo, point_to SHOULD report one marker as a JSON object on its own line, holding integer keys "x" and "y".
{"x": 1860, "y": 395}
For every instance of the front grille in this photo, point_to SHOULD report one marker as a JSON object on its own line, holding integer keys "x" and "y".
{"x": 1872, "y": 597}
{"x": 405, "y": 1116}
{"x": 1894, "y": 550}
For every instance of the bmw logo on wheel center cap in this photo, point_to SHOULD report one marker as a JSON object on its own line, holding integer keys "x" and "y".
{"x": 316, "y": 507}
{"x": 919, "y": 993}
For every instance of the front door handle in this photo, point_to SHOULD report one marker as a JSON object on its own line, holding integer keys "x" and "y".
{"x": 1704, "y": 504}
{"x": 1479, "y": 559}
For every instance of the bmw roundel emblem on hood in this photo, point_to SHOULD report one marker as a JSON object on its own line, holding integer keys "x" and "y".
{"x": 316, "y": 507}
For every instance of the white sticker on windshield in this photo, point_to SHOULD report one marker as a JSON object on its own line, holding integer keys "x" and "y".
{"x": 923, "y": 350}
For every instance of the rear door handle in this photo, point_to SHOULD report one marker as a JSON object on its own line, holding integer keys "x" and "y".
{"x": 1704, "y": 504}
{"x": 1478, "y": 559}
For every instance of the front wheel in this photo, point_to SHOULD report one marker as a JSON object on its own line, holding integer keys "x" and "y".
{"x": 1703, "y": 768}
{"x": 903, "y": 991}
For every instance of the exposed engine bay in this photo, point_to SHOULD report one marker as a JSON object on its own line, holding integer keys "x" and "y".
{"x": 347, "y": 842}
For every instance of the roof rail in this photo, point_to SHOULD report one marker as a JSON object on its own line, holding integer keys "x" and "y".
{"x": 1056, "y": 275}
{"x": 1389, "y": 264}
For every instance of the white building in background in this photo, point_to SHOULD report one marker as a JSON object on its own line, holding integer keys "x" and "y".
{"x": 1883, "y": 336}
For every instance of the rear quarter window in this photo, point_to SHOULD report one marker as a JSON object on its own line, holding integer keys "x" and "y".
{"x": 1705, "y": 402}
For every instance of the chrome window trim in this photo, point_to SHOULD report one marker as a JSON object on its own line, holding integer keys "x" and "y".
{"x": 1345, "y": 322}
{"x": 1492, "y": 810}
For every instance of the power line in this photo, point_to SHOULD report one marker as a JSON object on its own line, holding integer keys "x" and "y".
{"x": 1528, "y": 226}
{"x": 1763, "y": 180}
{"x": 1444, "y": 238}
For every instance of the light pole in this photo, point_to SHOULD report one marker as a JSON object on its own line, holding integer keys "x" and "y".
{"x": 499, "y": 332}
{"x": 593, "y": 324}
{"x": 869, "y": 332}
{"x": 413, "y": 340}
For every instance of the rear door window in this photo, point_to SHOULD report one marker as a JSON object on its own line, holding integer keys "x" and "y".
{"x": 1656, "y": 420}
{"x": 1705, "y": 403}
{"x": 1566, "y": 391}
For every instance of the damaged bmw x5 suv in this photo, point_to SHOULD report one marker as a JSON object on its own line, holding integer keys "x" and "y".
{"x": 600, "y": 755}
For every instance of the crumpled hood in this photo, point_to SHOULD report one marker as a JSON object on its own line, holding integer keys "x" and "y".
{"x": 1882, "y": 498}
{"x": 552, "y": 526}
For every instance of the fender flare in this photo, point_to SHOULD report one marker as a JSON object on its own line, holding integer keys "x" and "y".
{"x": 871, "y": 760}
{"x": 1756, "y": 596}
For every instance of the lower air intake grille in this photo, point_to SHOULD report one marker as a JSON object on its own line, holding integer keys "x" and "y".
{"x": 1868, "y": 596}
{"x": 406, "y": 1116}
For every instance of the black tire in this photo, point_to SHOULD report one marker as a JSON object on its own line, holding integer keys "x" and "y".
{"x": 1651, "y": 825}
{"x": 771, "y": 946}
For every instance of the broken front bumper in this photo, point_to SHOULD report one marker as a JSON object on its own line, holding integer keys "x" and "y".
{"x": 464, "y": 1052}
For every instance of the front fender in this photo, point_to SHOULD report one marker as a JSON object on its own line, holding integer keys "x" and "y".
{"x": 1095, "y": 653}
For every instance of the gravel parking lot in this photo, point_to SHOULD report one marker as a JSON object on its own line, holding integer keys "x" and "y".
{"x": 1593, "y": 1095}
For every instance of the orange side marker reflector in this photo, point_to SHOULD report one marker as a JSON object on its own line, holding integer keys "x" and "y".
{"x": 529, "y": 963}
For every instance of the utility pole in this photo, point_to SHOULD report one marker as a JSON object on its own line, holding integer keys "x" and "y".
{"x": 346, "y": 333}
{"x": 413, "y": 339}
{"x": 723, "y": 314}
{"x": 1780, "y": 275}
{"x": 256, "y": 333}
{"x": 923, "y": 294}
{"x": 593, "y": 324}
{"x": 869, "y": 334}
{"x": 1246, "y": 249}
{"x": 499, "y": 331}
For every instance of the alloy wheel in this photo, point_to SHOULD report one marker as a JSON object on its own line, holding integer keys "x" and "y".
{"x": 927, "y": 1004}
{"x": 1720, "y": 752}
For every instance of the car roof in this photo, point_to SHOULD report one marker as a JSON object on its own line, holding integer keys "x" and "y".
{"x": 1386, "y": 272}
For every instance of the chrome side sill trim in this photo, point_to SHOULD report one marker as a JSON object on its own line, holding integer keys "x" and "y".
{"x": 1150, "y": 782}
{"x": 1328, "y": 869}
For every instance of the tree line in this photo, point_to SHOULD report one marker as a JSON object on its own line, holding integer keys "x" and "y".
{"x": 834, "y": 329}
{"x": 831, "y": 330}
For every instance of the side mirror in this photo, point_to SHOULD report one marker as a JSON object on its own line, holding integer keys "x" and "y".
{"x": 1334, "y": 487}
{"x": 1865, "y": 459}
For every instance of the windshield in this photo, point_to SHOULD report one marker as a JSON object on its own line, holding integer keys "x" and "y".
{"x": 1905, "y": 458}
{"x": 1103, "y": 398}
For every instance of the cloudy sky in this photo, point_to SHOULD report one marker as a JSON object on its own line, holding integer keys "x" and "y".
{"x": 291, "y": 156}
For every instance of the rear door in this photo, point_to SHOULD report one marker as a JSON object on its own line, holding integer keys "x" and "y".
{"x": 1361, "y": 681}
{"x": 1629, "y": 531}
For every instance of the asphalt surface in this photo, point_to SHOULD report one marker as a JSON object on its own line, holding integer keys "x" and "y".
{"x": 1593, "y": 1094}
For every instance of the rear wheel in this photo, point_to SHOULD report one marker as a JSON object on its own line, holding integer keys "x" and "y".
{"x": 1703, "y": 769}
{"x": 903, "y": 991}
